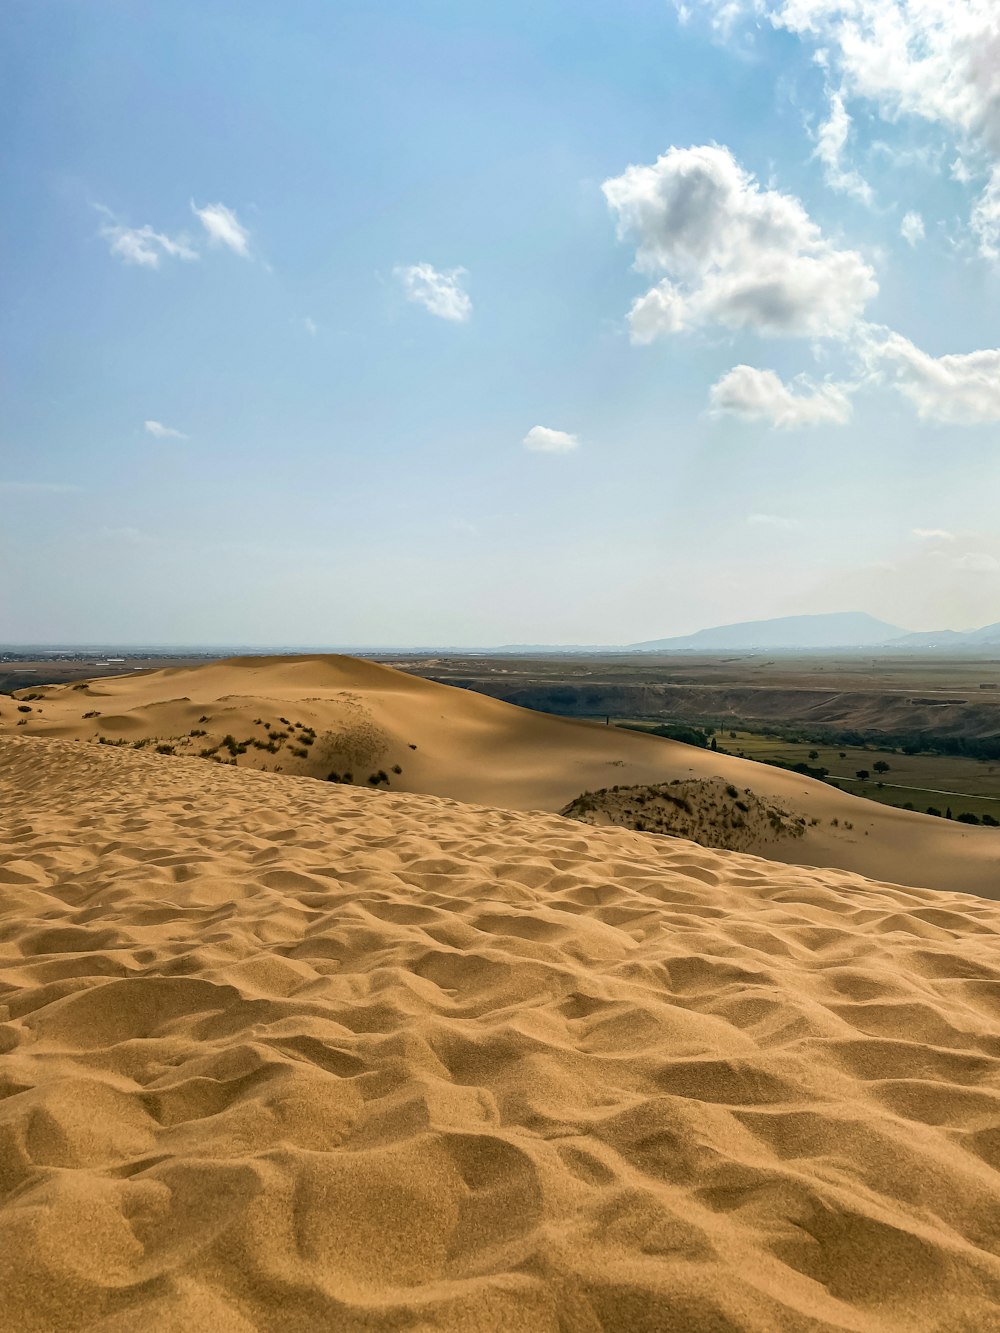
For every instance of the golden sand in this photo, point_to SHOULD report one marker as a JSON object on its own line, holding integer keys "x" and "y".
{"x": 286, "y": 1055}
{"x": 330, "y": 714}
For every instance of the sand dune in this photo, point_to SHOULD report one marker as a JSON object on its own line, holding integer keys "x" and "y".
{"x": 288, "y": 1055}
{"x": 314, "y": 716}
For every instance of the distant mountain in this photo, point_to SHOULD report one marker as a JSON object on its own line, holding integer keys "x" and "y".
{"x": 839, "y": 629}
{"x": 988, "y": 634}
{"x": 931, "y": 638}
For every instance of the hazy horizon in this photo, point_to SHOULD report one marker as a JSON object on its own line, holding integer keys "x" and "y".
{"x": 464, "y": 326}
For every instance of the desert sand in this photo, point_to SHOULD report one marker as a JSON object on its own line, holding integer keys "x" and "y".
{"x": 290, "y": 1055}
{"x": 313, "y": 716}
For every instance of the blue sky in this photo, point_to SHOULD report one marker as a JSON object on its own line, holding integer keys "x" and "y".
{"x": 350, "y": 324}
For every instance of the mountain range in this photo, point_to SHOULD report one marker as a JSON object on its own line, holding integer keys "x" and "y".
{"x": 839, "y": 629}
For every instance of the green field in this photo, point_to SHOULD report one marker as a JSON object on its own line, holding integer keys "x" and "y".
{"x": 967, "y": 786}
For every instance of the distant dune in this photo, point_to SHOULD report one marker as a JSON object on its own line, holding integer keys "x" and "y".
{"x": 289, "y": 1055}
{"x": 321, "y": 715}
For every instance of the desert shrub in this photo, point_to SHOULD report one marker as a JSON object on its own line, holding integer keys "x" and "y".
{"x": 23, "y": 722}
{"x": 197, "y": 732}
{"x": 307, "y": 740}
{"x": 93, "y": 713}
{"x": 333, "y": 777}
{"x": 24, "y": 708}
{"x": 377, "y": 778}
{"x": 835, "y": 822}
{"x": 203, "y": 718}
{"x": 731, "y": 791}
{"x": 164, "y": 749}
{"x": 396, "y": 769}
{"x": 83, "y": 685}
{"x": 412, "y": 746}
{"x": 298, "y": 752}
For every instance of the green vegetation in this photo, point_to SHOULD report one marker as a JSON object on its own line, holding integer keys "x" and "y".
{"x": 673, "y": 731}
{"x": 925, "y": 782}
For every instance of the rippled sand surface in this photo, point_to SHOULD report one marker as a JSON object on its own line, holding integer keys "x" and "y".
{"x": 283, "y": 1055}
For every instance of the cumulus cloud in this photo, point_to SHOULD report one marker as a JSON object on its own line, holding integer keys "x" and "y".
{"x": 734, "y": 254}
{"x": 547, "y": 441}
{"x": 831, "y": 145}
{"x": 936, "y": 60}
{"x": 934, "y": 534}
{"x": 912, "y": 228}
{"x": 440, "y": 293}
{"x": 161, "y": 432}
{"x": 761, "y": 395}
{"x": 142, "y": 246}
{"x": 223, "y": 227}
{"x": 962, "y": 388}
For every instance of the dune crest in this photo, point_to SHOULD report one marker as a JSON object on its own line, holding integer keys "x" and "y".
{"x": 286, "y": 1055}
{"x": 356, "y": 722}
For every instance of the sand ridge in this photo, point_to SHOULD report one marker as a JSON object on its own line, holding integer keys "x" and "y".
{"x": 282, "y": 1055}
{"x": 327, "y": 714}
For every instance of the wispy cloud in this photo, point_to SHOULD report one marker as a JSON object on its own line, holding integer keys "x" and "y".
{"x": 934, "y": 534}
{"x": 440, "y": 293}
{"x": 161, "y": 432}
{"x": 544, "y": 440}
{"x": 978, "y": 562}
{"x": 912, "y": 228}
{"x": 142, "y": 246}
{"x": 223, "y": 227}
{"x": 831, "y": 146}
{"x": 310, "y": 326}
{"x": 773, "y": 521}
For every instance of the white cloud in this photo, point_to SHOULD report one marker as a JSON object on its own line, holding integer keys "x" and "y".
{"x": 735, "y": 254}
{"x": 912, "y": 228}
{"x": 223, "y": 227}
{"x": 936, "y": 60}
{"x": 934, "y": 534}
{"x": 547, "y": 441}
{"x": 161, "y": 432}
{"x": 761, "y": 395}
{"x": 963, "y": 388}
{"x": 978, "y": 562}
{"x": 773, "y": 521}
{"x": 985, "y": 219}
{"x": 310, "y": 326}
{"x": 440, "y": 293}
{"x": 142, "y": 246}
{"x": 831, "y": 144}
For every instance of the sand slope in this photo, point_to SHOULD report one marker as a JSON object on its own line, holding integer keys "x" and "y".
{"x": 283, "y": 1055}
{"x": 326, "y": 714}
